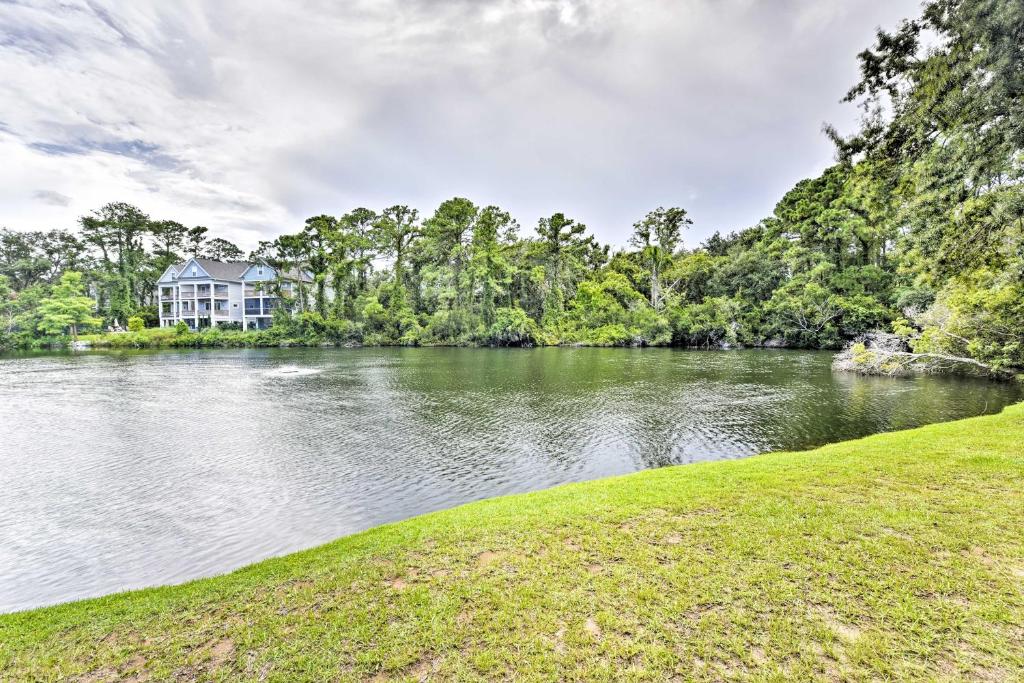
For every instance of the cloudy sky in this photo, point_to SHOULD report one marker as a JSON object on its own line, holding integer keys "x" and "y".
{"x": 248, "y": 117}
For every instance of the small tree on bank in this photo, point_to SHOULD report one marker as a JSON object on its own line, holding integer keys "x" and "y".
{"x": 67, "y": 308}
{"x": 657, "y": 237}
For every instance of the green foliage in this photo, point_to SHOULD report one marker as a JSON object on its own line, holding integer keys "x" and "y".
{"x": 512, "y": 327}
{"x": 716, "y": 321}
{"x": 67, "y": 310}
{"x": 919, "y": 226}
{"x": 135, "y": 324}
{"x": 980, "y": 317}
{"x": 612, "y": 313}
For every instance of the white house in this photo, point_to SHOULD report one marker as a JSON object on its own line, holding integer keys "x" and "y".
{"x": 203, "y": 293}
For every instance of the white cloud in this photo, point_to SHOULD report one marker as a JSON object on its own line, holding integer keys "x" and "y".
{"x": 247, "y": 117}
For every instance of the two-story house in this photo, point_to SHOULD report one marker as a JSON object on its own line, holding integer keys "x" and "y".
{"x": 203, "y": 293}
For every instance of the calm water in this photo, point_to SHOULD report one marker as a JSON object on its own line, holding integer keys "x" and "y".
{"x": 126, "y": 470}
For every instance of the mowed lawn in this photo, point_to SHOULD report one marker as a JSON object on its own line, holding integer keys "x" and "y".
{"x": 899, "y": 556}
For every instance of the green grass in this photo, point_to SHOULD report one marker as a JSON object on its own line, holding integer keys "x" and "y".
{"x": 899, "y": 556}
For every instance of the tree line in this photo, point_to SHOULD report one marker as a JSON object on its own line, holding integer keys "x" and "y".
{"x": 918, "y": 229}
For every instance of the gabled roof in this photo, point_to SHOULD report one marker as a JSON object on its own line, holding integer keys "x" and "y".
{"x": 218, "y": 270}
{"x": 172, "y": 270}
{"x": 291, "y": 274}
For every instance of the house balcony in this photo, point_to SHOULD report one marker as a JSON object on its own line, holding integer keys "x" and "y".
{"x": 167, "y": 297}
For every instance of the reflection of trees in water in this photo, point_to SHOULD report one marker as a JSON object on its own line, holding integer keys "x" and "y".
{"x": 492, "y": 420}
{"x": 577, "y": 410}
{"x": 868, "y": 404}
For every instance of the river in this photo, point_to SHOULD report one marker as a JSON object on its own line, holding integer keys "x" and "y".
{"x": 124, "y": 470}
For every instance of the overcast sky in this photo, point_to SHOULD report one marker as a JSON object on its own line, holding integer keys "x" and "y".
{"x": 247, "y": 117}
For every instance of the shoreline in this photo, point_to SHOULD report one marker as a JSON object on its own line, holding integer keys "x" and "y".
{"x": 832, "y": 527}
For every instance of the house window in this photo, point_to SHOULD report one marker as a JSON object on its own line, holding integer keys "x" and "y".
{"x": 259, "y": 270}
{"x": 194, "y": 271}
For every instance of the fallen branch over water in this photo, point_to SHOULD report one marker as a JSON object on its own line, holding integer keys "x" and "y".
{"x": 888, "y": 355}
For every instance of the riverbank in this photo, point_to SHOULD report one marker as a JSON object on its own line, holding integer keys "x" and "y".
{"x": 170, "y": 338}
{"x": 897, "y": 556}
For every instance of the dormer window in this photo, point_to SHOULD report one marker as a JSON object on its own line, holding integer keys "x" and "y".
{"x": 259, "y": 270}
{"x": 195, "y": 271}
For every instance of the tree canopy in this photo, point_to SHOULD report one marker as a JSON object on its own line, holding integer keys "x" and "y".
{"x": 917, "y": 229}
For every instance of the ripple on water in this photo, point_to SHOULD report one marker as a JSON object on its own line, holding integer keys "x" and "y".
{"x": 126, "y": 470}
{"x": 291, "y": 371}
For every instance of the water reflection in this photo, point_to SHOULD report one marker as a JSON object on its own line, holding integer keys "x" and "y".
{"x": 134, "y": 469}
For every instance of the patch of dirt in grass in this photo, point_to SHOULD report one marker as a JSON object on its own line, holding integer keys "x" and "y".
{"x": 960, "y": 601}
{"x": 695, "y": 612}
{"x": 990, "y": 675}
{"x": 674, "y": 538}
{"x": 560, "y": 640}
{"x": 591, "y": 627}
{"x": 215, "y": 654}
{"x": 219, "y": 652}
{"x": 424, "y": 669}
{"x": 699, "y": 512}
{"x": 896, "y": 534}
{"x": 98, "y": 676}
{"x": 845, "y": 631}
{"x": 731, "y": 669}
{"x": 137, "y": 668}
{"x": 980, "y": 555}
{"x": 463, "y": 617}
{"x": 758, "y": 655}
{"x": 595, "y": 568}
{"x": 399, "y": 584}
{"x": 131, "y": 672}
{"x": 489, "y": 557}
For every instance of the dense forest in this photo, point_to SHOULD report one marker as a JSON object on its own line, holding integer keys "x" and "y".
{"x": 917, "y": 230}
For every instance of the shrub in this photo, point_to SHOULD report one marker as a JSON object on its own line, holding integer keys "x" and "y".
{"x": 136, "y": 324}
{"x": 512, "y": 327}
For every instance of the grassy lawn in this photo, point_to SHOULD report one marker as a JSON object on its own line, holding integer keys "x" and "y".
{"x": 899, "y": 556}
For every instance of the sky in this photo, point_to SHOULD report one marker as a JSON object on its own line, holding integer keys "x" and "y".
{"x": 248, "y": 117}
